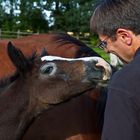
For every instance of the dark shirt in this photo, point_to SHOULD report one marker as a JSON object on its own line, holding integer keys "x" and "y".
{"x": 122, "y": 113}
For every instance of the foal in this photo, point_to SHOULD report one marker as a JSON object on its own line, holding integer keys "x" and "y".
{"x": 38, "y": 85}
{"x": 55, "y": 43}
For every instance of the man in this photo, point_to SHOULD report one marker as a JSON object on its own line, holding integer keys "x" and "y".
{"x": 117, "y": 22}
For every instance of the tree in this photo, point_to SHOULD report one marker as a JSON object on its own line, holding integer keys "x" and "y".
{"x": 8, "y": 17}
{"x": 71, "y": 15}
{"x": 66, "y": 15}
{"x": 32, "y": 17}
{"x": 37, "y": 21}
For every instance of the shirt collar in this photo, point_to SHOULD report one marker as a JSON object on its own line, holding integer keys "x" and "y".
{"x": 137, "y": 52}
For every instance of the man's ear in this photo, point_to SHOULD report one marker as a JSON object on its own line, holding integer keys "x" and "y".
{"x": 125, "y": 35}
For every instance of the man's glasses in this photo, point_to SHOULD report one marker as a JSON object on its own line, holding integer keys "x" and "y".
{"x": 102, "y": 45}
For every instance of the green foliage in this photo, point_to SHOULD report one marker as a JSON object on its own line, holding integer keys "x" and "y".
{"x": 94, "y": 41}
{"x": 72, "y": 15}
{"x": 32, "y": 17}
{"x": 66, "y": 15}
{"x": 102, "y": 53}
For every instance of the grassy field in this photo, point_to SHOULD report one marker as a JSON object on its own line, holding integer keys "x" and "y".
{"x": 90, "y": 42}
{"x": 102, "y": 53}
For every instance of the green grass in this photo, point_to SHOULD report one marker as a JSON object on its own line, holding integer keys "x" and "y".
{"x": 90, "y": 42}
{"x": 93, "y": 42}
{"x": 102, "y": 53}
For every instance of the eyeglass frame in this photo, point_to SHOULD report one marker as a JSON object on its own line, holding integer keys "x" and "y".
{"x": 102, "y": 45}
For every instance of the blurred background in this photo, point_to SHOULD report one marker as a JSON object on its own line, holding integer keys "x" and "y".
{"x": 19, "y": 18}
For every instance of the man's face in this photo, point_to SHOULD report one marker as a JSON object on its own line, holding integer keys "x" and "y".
{"x": 119, "y": 47}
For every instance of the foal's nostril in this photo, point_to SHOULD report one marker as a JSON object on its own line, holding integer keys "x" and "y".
{"x": 94, "y": 72}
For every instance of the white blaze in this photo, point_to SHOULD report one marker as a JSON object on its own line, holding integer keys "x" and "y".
{"x": 99, "y": 60}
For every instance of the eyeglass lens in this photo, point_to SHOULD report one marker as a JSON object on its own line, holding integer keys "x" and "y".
{"x": 102, "y": 45}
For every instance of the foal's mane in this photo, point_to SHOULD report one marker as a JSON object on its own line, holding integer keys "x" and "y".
{"x": 4, "y": 82}
{"x": 63, "y": 39}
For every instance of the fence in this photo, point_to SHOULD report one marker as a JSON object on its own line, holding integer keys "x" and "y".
{"x": 11, "y": 34}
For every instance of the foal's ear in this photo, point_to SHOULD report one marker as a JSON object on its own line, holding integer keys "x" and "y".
{"x": 18, "y": 59}
{"x": 43, "y": 52}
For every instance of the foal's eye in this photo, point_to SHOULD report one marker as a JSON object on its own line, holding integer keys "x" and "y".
{"x": 47, "y": 69}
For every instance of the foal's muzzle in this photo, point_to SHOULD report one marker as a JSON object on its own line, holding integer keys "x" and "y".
{"x": 98, "y": 70}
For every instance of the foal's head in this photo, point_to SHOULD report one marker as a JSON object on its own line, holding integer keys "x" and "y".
{"x": 50, "y": 80}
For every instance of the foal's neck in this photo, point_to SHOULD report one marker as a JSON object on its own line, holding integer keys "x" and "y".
{"x": 14, "y": 115}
